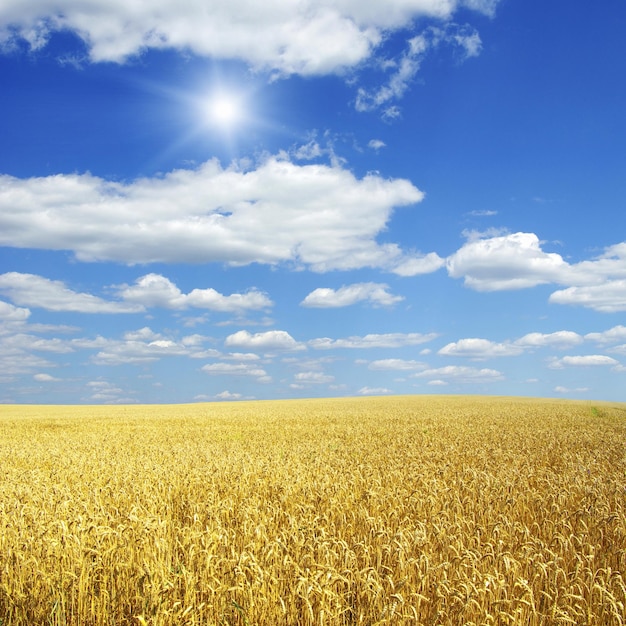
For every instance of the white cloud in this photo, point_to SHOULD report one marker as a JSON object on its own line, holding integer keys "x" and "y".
{"x": 419, "y": 264}
{"x": 234, "y": 369}
{"x": 309, "y": 151}
{"x": 307, "y": 37}
{"x": 559, "y": 339}
{"x": 45, "y": 378}
{"x": 137, "y": 348}
{"x": 313, "y": 377}
{"x": 408, "y": 64}
{"x": 479, "y": 349}
{"x": 374, "y": 391}
{"x": 315, "y": 216}
{"x": 54, "y": 295}
{"x": 587, "y": 360}
{"x": 388, "y": 340}
{"x": 396, "y": 364}
{"x": 517, "y": 261}
{"x": 241, "y": 356}
{"x": 108, "y": 393}
{"x": 461, "y": 374}
{"x": 609, "y": 297}
{"x": 561, "y": 389}
{"x": 270, "y": 340}
{"x": 376, "y": 144}
{"x": 228, "y": 395}
{"x": 483, "y": 213}
{"x": 156, "y": 290}
{"x": 476, "y": 348}
{"x": 514, "y": 261}
{"x": 613, "y": 335}
{"x": 375, "y": 293}
{"x": 10, "y": 313}
{"x": 29, "y": 342}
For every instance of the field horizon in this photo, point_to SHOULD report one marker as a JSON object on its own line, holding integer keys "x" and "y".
{"x": 477, "y": 396}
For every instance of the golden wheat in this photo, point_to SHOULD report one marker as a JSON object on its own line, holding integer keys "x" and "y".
{"x": 404, "y": 510}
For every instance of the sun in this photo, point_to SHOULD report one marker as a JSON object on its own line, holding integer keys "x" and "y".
{"x": 224, "y": 110}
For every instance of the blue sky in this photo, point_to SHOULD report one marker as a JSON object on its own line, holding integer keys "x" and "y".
{"x": 232, "y": 200}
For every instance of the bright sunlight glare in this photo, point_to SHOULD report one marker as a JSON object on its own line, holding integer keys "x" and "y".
{"x": 224, "y": 110}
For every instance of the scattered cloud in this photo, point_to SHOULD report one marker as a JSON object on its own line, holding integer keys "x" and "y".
{"x": 405, "y": 68}
{"x": 517, "y": 261}
{"x": 561, "y": 389}
{"x": 587, "y": 360}
{"x": 228, "y": 395}
{"x": 10, "y": 313}
{"x": 514, "y": 261}
{"x": 138, "y": 348}
{"x": 474, "y": 348}
{"x": 108, "y": 393}
{"x": 54, "y": 295}
{"x": 376, "y": 144}
{"x": 376, "y": 294}
{"x": 613, "y": 335}
{"x": 560, "y": 339}
{"x": 308, "y": 38}
{"x": 374, "y": 391}
{"x": 315, "y": 216}
{"x": 154, "y": 290}
{"x": 313, "y": 377}
{"x": 389, "y": 340}
{"x": 483, "y": 213}
{"x": 396, "y": 364}
{"x": 45, "y": 378}
{"x": 235, "y": 369}
{"x": 609, "y": 297}
{"x": 461, "y": 374}
{"x": 270, "y": 340}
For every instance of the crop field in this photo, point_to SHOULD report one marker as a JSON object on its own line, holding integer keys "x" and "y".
{"x": 432, "y": 510}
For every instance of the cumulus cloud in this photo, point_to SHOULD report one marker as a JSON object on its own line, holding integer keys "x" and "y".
{"x": 375, "y": 293}
{"x": 228, "y": 395}
{"x": 376, "y": 144}
{"x": 156, "y": 290}
{"x": 108, "y": 393}
{"x": 476, "y": 348}
{"x": 374, "y": 391}
{"x": 45, "y": 378}
{"x": 235, "y": 369}
{"x": 313, "y": 377}
{"x": 517, "y": 261}
{"x": 609, "y": 297}
{"x": 306, "y": 37}
{"x": 461, "y": 374}
{"x": 138, "y": 349}
{"x": 396, "y": 364}
{"x": 142, "y": 346}
{"x": 587, "y": 360}
{"x": 558, "y": 339}
{"x": 10, "y": 313}
{"x": 314, "y": 216}
{"x": 514, "y": 261}
{"x": 270, "y": 340}
{"x": 561, "y": 389}
{"x": 54, "y": 295}
{"x": 479, "y": 349}
{"x": 388, "y": 340}
{"x": 613, "y": 335}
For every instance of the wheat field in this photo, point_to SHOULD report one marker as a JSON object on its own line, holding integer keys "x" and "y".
{"x": 427, "y": 510}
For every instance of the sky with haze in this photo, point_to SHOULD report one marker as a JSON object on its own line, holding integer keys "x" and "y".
{"x": 233, "y": 199}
